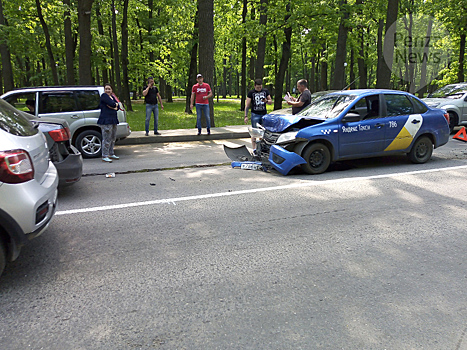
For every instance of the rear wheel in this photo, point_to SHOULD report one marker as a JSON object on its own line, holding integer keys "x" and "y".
{"x": 89, "y": 143}
{"x": 2, "y": 256}
{"x": 317, "y": 158}
{"x": 453, "y": 121}
{"x": 421, "y": 151}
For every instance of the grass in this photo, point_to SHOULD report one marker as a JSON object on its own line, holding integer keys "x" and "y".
{"x": 226, "y": 112}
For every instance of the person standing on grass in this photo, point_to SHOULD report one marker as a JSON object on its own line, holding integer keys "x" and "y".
{"x": 202, "y": 92}
{"x": 257, "y": 99}
{"x": 108, "y": 122}
{"x": 151, "y": 95}
{"x": 303, "y": 100}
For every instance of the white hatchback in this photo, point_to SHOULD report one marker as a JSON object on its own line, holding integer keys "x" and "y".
{"x": 28, "y": 183}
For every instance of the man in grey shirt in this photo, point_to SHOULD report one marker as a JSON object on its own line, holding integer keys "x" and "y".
{"x": 303, "y": 100}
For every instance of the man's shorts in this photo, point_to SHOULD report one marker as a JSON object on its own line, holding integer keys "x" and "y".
{"x": 256, "y": 119}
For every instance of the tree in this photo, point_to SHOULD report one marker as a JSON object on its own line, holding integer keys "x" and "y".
{"x": 7, "y": 70}
{"x": 85, "y": 40}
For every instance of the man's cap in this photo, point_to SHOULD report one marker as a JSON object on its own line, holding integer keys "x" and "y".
{"x": 150, "y": 78}
{"x": 199, "y": 76}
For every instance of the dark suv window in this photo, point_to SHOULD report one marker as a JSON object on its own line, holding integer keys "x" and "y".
{"x": 13, "y": 122}
{"x": 56, "y": 102}
{"x": 398, "y": 105}
{"x": 88, "y": 99}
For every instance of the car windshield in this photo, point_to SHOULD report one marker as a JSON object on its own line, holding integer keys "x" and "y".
{"x": 327, "y": 107}
{"x": 449, "y": 91}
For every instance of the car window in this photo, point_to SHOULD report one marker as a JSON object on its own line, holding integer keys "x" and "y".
{"x": 14, "y": 122}
{"x": 419, "y": 107}
{"x": 22, "y": 100}
{"x": 328, "y": 106}
{"x": 398, "y": 105}
{"x": 88, "y": 99}
{"x": 57, "y": 102}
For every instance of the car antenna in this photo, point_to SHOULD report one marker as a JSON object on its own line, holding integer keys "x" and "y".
{"x": 350, "y": 83}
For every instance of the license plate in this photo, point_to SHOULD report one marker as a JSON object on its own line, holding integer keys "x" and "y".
{"x": 250, "y": 166}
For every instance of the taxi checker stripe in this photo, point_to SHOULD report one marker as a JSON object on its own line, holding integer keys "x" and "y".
{"x": 407, "y": 134}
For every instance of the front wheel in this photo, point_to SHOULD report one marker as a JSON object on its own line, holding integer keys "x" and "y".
{"x": 421, "y": 150}
{"x": 453, "y": 121}
{"x": 317, "y": 158}
{"x": 89, "y": 143}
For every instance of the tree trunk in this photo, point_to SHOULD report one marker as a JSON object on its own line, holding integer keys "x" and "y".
{"x": 85, "y": 38}
{"x": 48, "y": 45}
{"x": 423, "y": 87}
{"x": 362, "y": 69}
{"x": 206, "y": 47}
{"x": 323, "y": 81}
{"x": 243, "y": 86}
{"x": 224, "y": 77}
{"x": 383, "y": 80}
{"x": 193, "y": 66}
{"x": 460, "y": 72}
{"x": 100, "y": 28}
{"x": 261, "y": 51}
{"x": 69, "y": 46}
{"x": 116, "y": 55}
{"x": 7, "y": 70}
{"x": 286, "y": 45}
{"x": 341, "y": 50}
{"x": 126, "y": 89}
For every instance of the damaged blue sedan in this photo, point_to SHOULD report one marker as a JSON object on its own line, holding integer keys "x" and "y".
{"x": 352, "y": 124}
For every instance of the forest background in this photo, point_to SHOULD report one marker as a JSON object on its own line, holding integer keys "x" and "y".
{"x": 334, "y": 44}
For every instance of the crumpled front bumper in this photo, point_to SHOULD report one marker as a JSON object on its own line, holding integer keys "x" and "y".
{"x": 282, "y": 160}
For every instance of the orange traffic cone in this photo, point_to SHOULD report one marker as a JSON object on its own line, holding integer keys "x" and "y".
{"x": 459, "y": 137}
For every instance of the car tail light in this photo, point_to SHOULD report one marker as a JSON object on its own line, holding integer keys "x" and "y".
{"x": 15, "y": 166}
{"x": 60, "y": 134}
{"x": 446, "y": 115}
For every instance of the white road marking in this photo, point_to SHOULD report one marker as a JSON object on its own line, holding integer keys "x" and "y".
{"x": 254, "y": 190}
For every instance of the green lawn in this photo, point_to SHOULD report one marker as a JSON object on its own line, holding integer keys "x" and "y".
{"x": 226, "y": 112}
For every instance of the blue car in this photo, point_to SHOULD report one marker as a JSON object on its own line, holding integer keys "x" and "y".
{"x": 352, "y": 124}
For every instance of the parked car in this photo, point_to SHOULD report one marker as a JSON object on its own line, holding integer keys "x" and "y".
{"x": 78, "y": 105}
{"x": 352, "y": 124}
{"x": 452, "y": 98}
{"x": 28, "y": 183}
{"x": 66, "y": 158}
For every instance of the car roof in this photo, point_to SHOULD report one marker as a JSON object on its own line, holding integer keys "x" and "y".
{"x": 360, "y": 92}
{"x": 55, "y": 88}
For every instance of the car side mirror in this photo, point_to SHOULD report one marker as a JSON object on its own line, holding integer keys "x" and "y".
{"x": 351, "y": 117}
{"x": 465, "y": 99}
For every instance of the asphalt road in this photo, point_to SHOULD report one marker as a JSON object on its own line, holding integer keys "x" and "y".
{"x": 179, "y": 251}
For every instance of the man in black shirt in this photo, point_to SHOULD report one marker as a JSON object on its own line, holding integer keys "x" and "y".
{"x": 303, "y": 100}
{"x": 257, "y": 99}
{"x": 151, "y": 95}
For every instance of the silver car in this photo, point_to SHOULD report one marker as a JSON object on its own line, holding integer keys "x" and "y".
{"x": 453, "y": 99}
{"x": 28, "y": 183}
{"x": 78, "y": 105}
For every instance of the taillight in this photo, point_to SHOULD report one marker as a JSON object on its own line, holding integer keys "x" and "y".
{"x": 59, "y": 135}
{"x": 446, "y": 115}
{"x": 15, "y": 166}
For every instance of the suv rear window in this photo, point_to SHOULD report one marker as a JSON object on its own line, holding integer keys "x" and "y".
{"x": 88, "y": 99}
{"x": 57, "y": 102}
{"x": 13, "y": 122}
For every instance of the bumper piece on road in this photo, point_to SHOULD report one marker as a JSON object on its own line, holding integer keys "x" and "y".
{"x": 284, "y": 161}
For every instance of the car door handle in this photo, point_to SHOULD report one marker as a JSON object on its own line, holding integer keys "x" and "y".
{"x": 75, "y": 117}
{"x": 415, "y": 121}
{"x": 379, "y": 125}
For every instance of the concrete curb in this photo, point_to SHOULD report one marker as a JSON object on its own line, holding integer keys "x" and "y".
{"x": 187, "y": 135}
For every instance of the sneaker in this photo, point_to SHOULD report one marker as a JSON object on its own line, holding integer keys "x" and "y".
{"x": 157, "y": 133}
{"x": 107, "y": 160}
{"x": 199, "y": 132}
{"x": 147, "y": 134}
{"x": 209, "y": 131}
{"x": 113, "y": 156}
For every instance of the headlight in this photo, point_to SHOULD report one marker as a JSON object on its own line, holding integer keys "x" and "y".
{"x": 255, "y": 132}
{"x": 287, "y": 137}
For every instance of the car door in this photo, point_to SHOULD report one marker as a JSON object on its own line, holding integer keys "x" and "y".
{"x": 61, "y": 104}
{"x": 402, "y": 124}
{"x": 365, "y": 136}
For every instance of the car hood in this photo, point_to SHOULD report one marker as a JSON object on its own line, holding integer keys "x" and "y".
{"x": 433, "y": 102}
{"x": 285, "y": 122}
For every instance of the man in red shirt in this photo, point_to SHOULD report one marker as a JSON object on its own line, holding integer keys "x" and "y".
{"x": 202, "y": 92}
